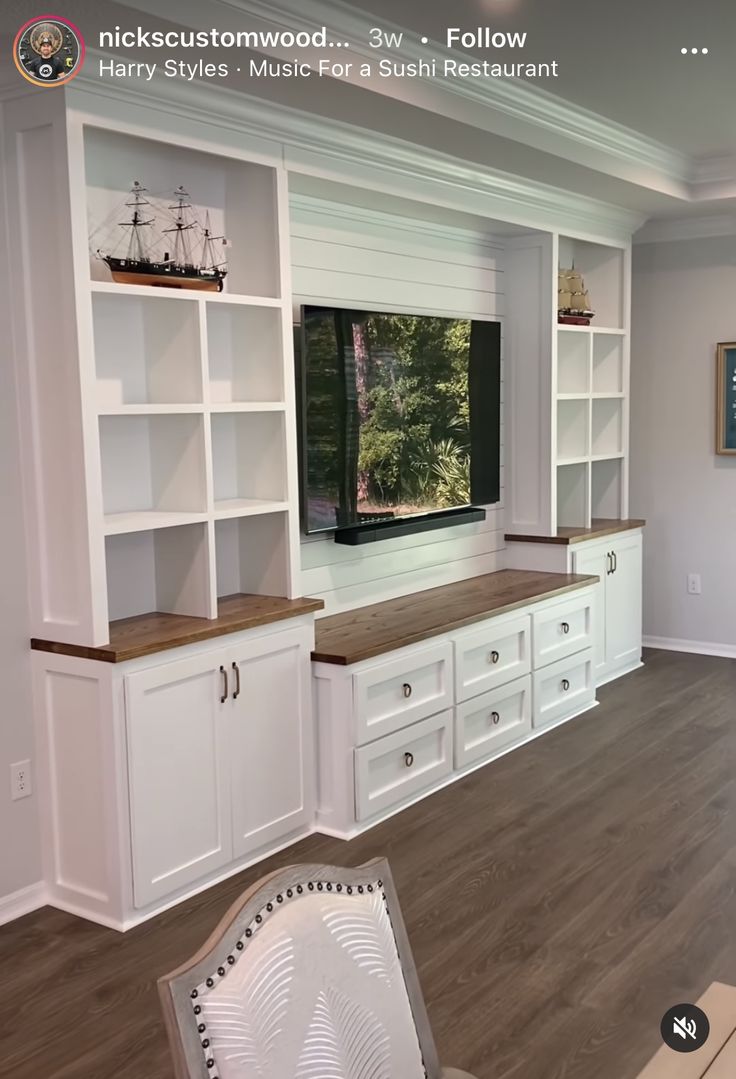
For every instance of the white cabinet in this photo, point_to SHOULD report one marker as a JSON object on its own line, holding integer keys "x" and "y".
{"x": 390, "y": 694}
{"x": 498, "y": 718}
{"x": 270, "y": 743}
{"x": 161, "y": 774}
{"x": 179, "y": 776}
{"x": 491, "y": 656}
{"x": 617, "y": 560}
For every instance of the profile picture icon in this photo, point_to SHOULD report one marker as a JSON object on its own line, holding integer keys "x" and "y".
{"x": 48, "y": 51}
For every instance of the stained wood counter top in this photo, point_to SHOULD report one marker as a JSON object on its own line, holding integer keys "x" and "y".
{"x": 600, "y": 526}
{"x": 372, "y": 631}
{"x": 131, "y": 638}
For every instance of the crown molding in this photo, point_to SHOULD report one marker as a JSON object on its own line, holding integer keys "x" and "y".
{"x": 364, "y": 158}
{"x": 510, "y": 108}
{"x": 665, "y": 230}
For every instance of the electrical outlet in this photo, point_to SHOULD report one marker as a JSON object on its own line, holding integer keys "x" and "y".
{"x": 20, "y": 780}
{"x": 693, "y": 584}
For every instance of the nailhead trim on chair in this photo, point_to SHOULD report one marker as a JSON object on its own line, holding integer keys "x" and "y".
{"x": 240, "y": 946}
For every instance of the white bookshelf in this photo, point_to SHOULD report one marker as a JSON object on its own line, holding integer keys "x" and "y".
{"x": 167, "y": 455}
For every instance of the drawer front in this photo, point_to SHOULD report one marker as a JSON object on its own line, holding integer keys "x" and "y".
{"x": 491, "y": 656}
{"x": 563, "y": 688}
{"x": 391, "y": 695}
{"x": 488, "y": 723}
{"x": 562, "y": 629}
{"x": 402, "y": 764}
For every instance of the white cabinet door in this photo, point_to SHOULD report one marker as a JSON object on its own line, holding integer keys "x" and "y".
{"x": 623, "y": 603}
{"x": 270, "y": 740}
{"x": 178, "y": 774}
{"x": 594, "y": 560}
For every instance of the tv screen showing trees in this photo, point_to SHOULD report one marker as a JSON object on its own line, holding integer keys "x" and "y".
{"x": 400, "y": 415}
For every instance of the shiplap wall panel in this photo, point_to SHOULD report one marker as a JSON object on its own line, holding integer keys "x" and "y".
{"x": 376, "y": 260}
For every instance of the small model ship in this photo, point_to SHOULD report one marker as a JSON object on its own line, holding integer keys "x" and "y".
{"x": 191, "y": 262}
{"x": 573, "y": 303}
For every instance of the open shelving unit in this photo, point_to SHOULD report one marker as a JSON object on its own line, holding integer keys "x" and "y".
{"x": 590, "y": 390}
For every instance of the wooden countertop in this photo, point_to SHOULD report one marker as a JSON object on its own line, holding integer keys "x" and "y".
{"x": 372, "y": 631}
{"x": 146, "y": 634}
{"x": 601, "y": 526}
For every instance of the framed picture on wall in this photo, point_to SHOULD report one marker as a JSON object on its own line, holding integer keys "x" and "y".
{"x": 726, "y": 398}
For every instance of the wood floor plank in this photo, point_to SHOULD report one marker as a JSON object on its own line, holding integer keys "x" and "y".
{"x": 557, "y": 901}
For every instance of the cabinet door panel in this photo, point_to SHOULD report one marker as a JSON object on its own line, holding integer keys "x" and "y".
{"x": 270, "y": 740}
{"x": 623, "y": 604}
{"x": 178, "y": 774}
{"x": 594, "y": 560}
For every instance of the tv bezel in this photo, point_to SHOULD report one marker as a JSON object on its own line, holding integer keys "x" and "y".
{"x": 406, "y": 519}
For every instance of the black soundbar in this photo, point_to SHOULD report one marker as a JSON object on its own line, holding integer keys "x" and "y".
{"x": 370, "y": 531}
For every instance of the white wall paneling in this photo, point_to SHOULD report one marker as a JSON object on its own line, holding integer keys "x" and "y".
{"x": 394, "y": 264}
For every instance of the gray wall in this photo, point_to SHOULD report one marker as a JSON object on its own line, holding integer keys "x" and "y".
{"x": 684, "y": 302}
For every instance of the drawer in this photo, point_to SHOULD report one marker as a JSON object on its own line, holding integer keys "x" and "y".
{"x": 400, "y": 765}
{"x": 492, "y": 655}
{"x": 563, "y": 688}
{"x": 562, "y": 629}
{"x": 391, "y": 695}
{"x": 496, "y": 719}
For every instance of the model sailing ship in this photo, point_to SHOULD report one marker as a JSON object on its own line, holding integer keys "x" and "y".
{"x": 192, "y": 259}
{"x": 573, "y": 303}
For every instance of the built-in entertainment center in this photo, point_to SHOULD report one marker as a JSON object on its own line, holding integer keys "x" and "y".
{"x": 224, "y": 675}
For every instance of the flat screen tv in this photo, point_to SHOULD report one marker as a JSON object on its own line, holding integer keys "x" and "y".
{"x": 400, "y": 415}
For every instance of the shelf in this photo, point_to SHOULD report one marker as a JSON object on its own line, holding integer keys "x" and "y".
{"x": 248, "y": 457}
{"x": 240, "y": 198}
{"x": 591, "y": 330}
{"x": 602, "y": 269}
{"x": 244, "y": 347}
{"x": 573, "y": 396}
{"x": 226, "y": 407}
{"x": 572, "y": 494}
{"x": 607, "y": 487}
{"x": 608, "y": 396}
{"x": 143, "y": 521}
{"x": 562, "y": 462}
{"x": 573, "y": 436}
{"x": 252, "y": 554}
{"x": 607, "y": 457}
{"x": 158, "y": 292}
{"x": 573, "y": 365}
{"x": 146, "y": 351}
{"x": 151, "y": 410}
{"x": 607, "y": 427}
{"x": 159, "y": 570}
{"x": 153, "y": 463}
{"x": 247, "y": 507}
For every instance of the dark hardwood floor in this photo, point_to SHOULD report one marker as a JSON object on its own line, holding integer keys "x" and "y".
{"x": 557, "y": 902}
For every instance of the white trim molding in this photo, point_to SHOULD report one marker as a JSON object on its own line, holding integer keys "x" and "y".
{"x": 698, "y": 648}
{"x": 24, "y": 901}
{"x": 670, "y": 229}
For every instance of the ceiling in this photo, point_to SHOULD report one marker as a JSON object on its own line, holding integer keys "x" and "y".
{"x": 619, "y": 58}
{"x": 630, "y": 121}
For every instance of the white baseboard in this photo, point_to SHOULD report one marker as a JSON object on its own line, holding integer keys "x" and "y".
{"x": 22, "y": 902}
{"x": 699, "y": 648}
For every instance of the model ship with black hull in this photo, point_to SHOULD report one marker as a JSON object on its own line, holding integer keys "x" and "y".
{"x": 183, "y": 254}
{"x": 573, "y": 302}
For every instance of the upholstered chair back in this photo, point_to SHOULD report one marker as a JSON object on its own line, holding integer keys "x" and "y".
{"x": 309, "y": 976}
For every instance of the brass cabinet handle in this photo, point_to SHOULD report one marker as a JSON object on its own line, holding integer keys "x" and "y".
{"x": 565, "y": 684}
{"x": 493, "y": 657}
{"x": 495, "y": 717}
{"x": 236, "y": 668}
{"x": 406, "y": 689}
{"x": 408, "y": 759}
{"x": 565, "y": 627}
{"x": 223, "y": 672}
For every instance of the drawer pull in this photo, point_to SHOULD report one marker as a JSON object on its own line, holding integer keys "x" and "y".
{"x": 565, "y": 627}
{"x": 565, "y": 684}
{"x": 495, "y": 717}
{"x": 223, "y": 672}
{"x": 406, "y": 689}
{"x": 408, "y": 759}
{"x": 236, "y": 694}
{"x": 494, "y": 657}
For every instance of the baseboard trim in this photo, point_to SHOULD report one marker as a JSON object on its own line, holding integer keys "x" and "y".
{"x": 24, "y": 901}
{"x": 698, "y": 648}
